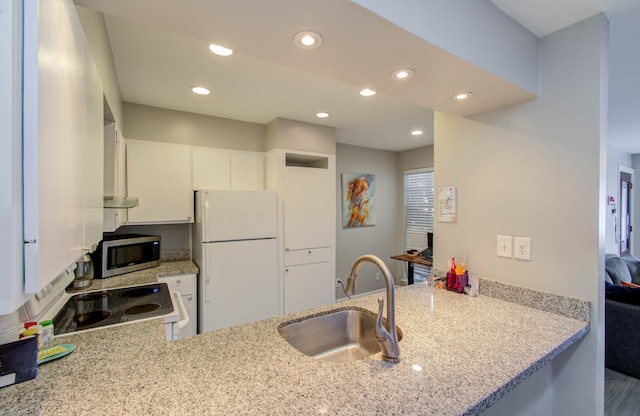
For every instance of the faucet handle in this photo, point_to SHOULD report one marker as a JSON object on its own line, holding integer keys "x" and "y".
{"x": 381, "y": 332}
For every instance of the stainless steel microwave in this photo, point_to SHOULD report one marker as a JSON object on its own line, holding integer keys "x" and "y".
{"x": 125, "y": 253}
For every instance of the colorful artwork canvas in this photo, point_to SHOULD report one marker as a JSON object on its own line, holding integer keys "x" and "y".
{"x": 358, "y": 200}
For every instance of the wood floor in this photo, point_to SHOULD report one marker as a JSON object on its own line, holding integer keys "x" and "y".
{"x": 621, "y": 394}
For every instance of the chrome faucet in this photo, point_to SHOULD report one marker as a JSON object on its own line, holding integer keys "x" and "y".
{"x": 387, "y": 339}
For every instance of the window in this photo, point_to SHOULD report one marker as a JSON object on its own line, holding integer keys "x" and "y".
{"x": 418, "y": 213}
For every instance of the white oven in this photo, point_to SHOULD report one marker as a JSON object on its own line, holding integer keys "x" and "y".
{"x": 99, "y": 309}
{"x": 173, "y": 326}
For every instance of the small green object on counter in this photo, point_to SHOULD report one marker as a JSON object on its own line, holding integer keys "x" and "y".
{"x": 54, "y": 353}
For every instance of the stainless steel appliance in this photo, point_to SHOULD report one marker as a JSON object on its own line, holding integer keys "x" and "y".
{"x": 126, "y": 253}
{"x": 84, "y": 272}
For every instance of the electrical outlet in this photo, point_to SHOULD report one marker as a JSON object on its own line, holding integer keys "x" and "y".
{"x": 377, "y": 275}
{"x": 505, "y": 246}
{"x": 338, "y": 282}
{"x": 522, "y": 248}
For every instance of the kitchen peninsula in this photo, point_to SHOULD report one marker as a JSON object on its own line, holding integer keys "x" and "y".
{"x": 459, "y": 355}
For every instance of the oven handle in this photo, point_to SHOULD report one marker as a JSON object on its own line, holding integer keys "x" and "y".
{"x": 181, "y": 309}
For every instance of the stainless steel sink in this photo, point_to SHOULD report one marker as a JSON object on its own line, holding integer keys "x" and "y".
{"x": 342, "y": 335}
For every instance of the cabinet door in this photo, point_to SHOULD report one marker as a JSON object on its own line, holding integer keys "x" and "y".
{"x": 307, "y": 286}
{"x": 61, "y": 95}
{"x": 11, "y": 261}
{"x": 308, "y": 207}
{"x": 192, "y": 309}
{"x": 211, "y": 169}
{"x": 115, "y": 176}
{"x": 186, "y": 285}
{"x": 247, "y": 171}
{"x": 159, "y": 174}
{"x": 93, "y": 153}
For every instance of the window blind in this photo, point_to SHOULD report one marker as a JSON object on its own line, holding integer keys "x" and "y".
{"x": 418, "y": 213}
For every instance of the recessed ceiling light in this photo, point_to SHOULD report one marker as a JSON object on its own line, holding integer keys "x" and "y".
{"x": 220, "y": 50}
{"x": 416, "y": 133}
{"x": 403, "y": 73}
{"x": 307, "y": 39}
{"x": 322, "y": 114}
{"x": 462, "y": 96}
{"x": 200, "y": 90}
{"x": 367, "y": 92}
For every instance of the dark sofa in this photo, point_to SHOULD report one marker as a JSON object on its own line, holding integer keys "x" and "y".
{"x": 622, "y": 315}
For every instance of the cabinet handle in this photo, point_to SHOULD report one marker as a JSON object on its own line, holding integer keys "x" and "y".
{"x": 309, "y": 251}
{"x": 190, "y": 298}
{"x": 189, "y": 217}
{"x": 286, "y": 270}
{"x": 178, "y": 281}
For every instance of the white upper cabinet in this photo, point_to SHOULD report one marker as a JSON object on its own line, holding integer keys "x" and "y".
{"x": 12, "y": 294}
{"x": 54, "y": 186}
{"x": 211, "y": 168}
{"x": 159, "y": 175}
{"x": 221, "y": 169}
{"x": 247, "y": 171}
{"x": 309, "y": 208}
{"x": 93, "y": 154}
{"x": 115, "y": 184}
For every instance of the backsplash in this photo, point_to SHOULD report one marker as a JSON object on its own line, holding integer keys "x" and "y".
{"x": 173, "y": 255}
{"x": 575, "y": 308}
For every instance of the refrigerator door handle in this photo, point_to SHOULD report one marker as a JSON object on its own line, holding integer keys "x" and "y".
{"x": 205, "y": 218}
{"x": 207, "y": 283}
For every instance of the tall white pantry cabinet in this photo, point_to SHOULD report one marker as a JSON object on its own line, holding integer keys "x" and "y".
{"x": 305, "y": 183}
{"x": 51, "y": 163}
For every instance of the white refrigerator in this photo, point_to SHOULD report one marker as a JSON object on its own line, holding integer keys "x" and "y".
{"x": 235, "y": 247}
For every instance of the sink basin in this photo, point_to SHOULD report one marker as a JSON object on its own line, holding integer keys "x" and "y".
{"x": 342, "y": 335}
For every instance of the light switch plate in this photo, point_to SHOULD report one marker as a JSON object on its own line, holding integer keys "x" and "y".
{"x": 522, "y": 247}
{"x": 505, "y": 246}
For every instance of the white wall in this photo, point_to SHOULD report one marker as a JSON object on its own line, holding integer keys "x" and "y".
{"x": 143, "y": 122}
{"x": 616, "y": 158}
{"x": 476, "y": 31}
{"x": 635, "y": 235}
{"x": 538, "y": 170}
{"x": 282, "y": 133}
{"x": 380, "y": 239}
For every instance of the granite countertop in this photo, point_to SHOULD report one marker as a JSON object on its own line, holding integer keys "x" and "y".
{"x": 471, "y": 351}
{"x": 145, "y": 276}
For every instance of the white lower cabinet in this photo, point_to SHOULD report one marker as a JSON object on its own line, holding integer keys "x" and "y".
{"x": 186, "y": 285}
{"x": 308, "y": 279}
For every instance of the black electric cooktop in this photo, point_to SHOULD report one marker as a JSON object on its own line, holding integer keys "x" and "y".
{"x": 113, "y": 306}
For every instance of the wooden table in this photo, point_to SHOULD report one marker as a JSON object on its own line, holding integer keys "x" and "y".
{"x": 410, "y": 262}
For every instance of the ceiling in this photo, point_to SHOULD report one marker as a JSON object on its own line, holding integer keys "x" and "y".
{"x": 160, "y": 52}
{"x": 546, "y": 16}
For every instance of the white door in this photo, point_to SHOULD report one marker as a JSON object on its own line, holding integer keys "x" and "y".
{"x": 239, "y": 283}
{"x": 307, "y": 286}
{"x": 211, "y": 168}
{"x": 308, "y": 208}
{"x": 237, "y": 215}
{"x": 159, "y": 174}
{"x": 247, "y": 171}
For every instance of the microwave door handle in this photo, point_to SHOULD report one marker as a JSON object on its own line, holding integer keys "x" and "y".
{"x": 183, "y": 311}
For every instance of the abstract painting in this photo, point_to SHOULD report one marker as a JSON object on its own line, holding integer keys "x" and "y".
{"x": 358, "y": 200}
